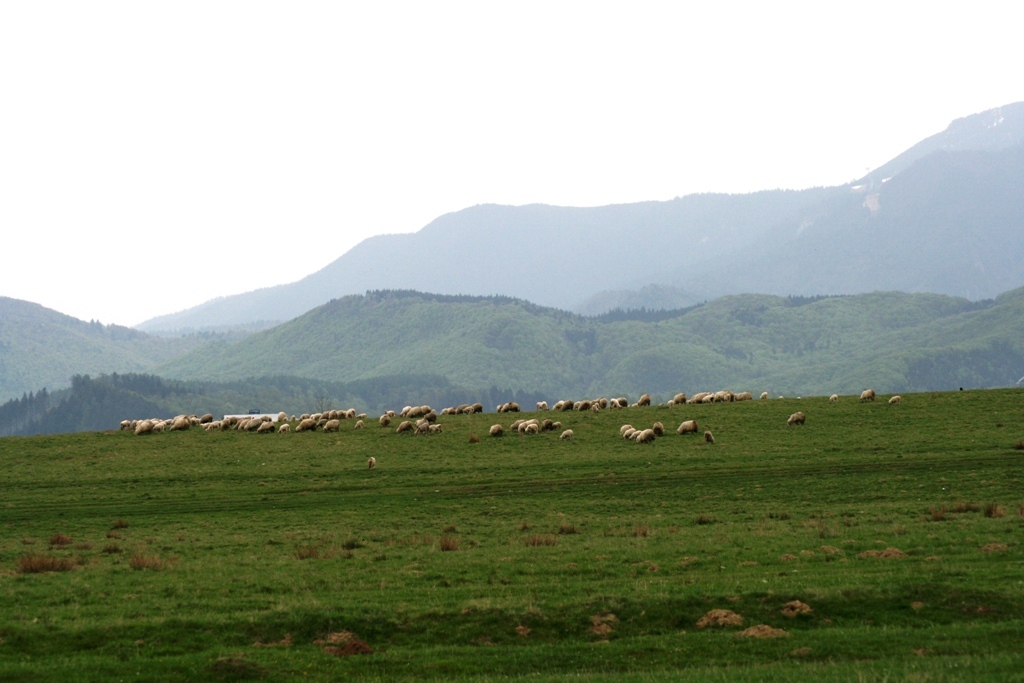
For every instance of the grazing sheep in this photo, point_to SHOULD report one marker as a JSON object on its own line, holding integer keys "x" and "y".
{"x": 547, "y": 425}
{"x": 360, "y": 416}
{"x": 284, "y": 428}
{"x": 126, "y": 425}
{"x": 359, "y": 424}
{"x": 206, "y": 419}
{"x": 566, "y": 435}
{"x": 422, "y": 428}
{"x": 659, "y": 429}
{"x": 595, "y": 407}
{"x": 265, "y": 427}
{"x": 390, "y": 413}
{"x": 332, "y": 425}
{"x": 624, "y": 428}
{"x": 796, "y": 419}
{"x": 646, "y": 436}
{"x": 833, "y": 398}
{"x": 708, "y": 437}
{"x": 764, "y": 395}
{"x": 628, "y": 434}
{"x": 744, "y": 396}
{"x": 688, "y": 427}
{"x": 530, "y": 429}
{"x": 253, "y": 425}
{"x": 679, "y": 399}
{"x": 477, "y": 408}
{"x": 385, "y": 420}
{"x": 644, "y": 400}
{"x": 895, "y": 400}
{"x": 698, "y": 397}
{"x": 306, "y": 425}
{"x": 708, "y": 398}
{"x": 405, "y": 411}
{"x": 372, "y": 462}
{"x": 867, "y": 395}
{"x": 435, "y": 429}
{"x": 542, "y": 405}
{"x": 282, "y": 417}
{"x": 496, "y": 430}
{"x": 144, "y": 427}
{"x": 430, "y": 417}
{"x": 555, "y": 426}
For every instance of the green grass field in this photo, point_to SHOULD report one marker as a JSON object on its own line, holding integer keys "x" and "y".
{"x": 236, "y": 556}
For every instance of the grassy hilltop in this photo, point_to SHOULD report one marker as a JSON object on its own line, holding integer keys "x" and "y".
{"x": 236, "y": 556}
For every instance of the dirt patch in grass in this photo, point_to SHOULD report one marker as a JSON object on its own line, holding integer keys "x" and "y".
{"x": 830, "y": 550}
{"x": 800, "y": 652}
{"x": 539, "y": 540}
{"x": 522, "y": 631}
{"x": 567, "y": 528}
{"x": 641, "y": 531}
{"x": 888, "y": 554}
{"x": 794, "y": 608}
{"x": 119, "y": 524}
{"x": 336, "y": 638}
{"x": 788, "y": 557}
{"x": 917, "y": 606}
{"x": 993, "y": 547}
{"x": 687, "y": 561}
{"x": 966, "y": 506}
{"x": 35, "y": 563}
{"x": 750, "y": 564}
{"x": 720, "y": 617}
{"x": 933, "y": 558}
{"x": 762, "y": 631}
{"x": 449, "y": 543}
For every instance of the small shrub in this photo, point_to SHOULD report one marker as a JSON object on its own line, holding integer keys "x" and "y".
{"x": 525, "y": 526}
{"x": 113, "y": 534}
{"x": 705, "y": 519}
{"x": 993, "y": 510}
{"x": 539, "y": 540}
{"x": 567, "y": 528}
{"x": 351, "y": 544}
{"x": 112, "y": 549}
{"x": 966, "y": 507}
{"x": 938, "y": 514}
{"x": 449, "y": 543}
{"x": 119, "y": 524}
{"x": 450, "y": 529}
{"x": 36, "y": 563}
{"x": 642, "y": 531}
{"x": 59, "y": 539}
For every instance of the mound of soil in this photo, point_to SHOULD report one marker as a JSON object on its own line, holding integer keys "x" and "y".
{"x": 352, "y": 647}
{"x": 993, "y": 547}
{"x": 720, "y": 617}
{"x": 762, "y": 631}
{"x": 794, "y": 607}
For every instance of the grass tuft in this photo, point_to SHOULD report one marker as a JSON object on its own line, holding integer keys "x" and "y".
{"x": 140, "y": 561}
{"x": 112, "y": 549}
{"x": 567, "y": 528}
{"x": 449, "y": 543}
{"x": 641, "y": 531}
{"x": 993, "y": 510}
{"x": 352, "y": 544}
{"x": 59, "y": 539}
{"x": 1019, "y": 444}
{"x": 36, "y": 563}
{"x": 119, "y": 524}
{"x": 705, "y": 519}
{"x": 938, "y": 514}
{"x": 473, "y": 438}
{"x": 966, "y": 507}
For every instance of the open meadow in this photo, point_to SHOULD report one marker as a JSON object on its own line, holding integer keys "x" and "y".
{"x": 187, "y": 556}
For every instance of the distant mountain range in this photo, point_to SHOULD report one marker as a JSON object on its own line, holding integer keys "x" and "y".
{"x": 942, "y": 217}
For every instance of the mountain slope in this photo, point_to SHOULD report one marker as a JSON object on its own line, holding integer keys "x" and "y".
{"x": 40, "y": 347}
{"x": 956, "y": 187}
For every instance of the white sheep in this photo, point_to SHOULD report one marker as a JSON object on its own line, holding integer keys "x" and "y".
{"x": 833, "y": 398}
{"x": 497, "y": 430}
{"x": 284, "y": 428}
{"x": 332, "y": 426}
{"x": 385, "y": 420}
{"x": 566, "y": 435}
{"x": 895, "y": 400}
{"x": 764, "y": 395}
{"x": 265, "y": 427}
{"x": 542, "y": 405}
{"x": 687, "y": 427}
{"x": 797, "y": 418}
{"x": 867, "y": 395}
{"x": 359, "y": 424}
{"x": 372, "y": 462}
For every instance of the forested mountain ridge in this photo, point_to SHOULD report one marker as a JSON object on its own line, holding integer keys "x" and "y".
{"x": 950, "y": 201}
{"x": 887, "y": 340}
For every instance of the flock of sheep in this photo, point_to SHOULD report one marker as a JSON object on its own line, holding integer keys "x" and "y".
{"x": 422, "y": 420}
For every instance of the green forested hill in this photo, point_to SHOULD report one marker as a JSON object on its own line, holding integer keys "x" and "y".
{"x": 40, "y": 347}
{"x": 887, "y": 340}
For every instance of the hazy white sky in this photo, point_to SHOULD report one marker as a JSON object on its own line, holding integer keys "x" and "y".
{"x": 155, "y": 155}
